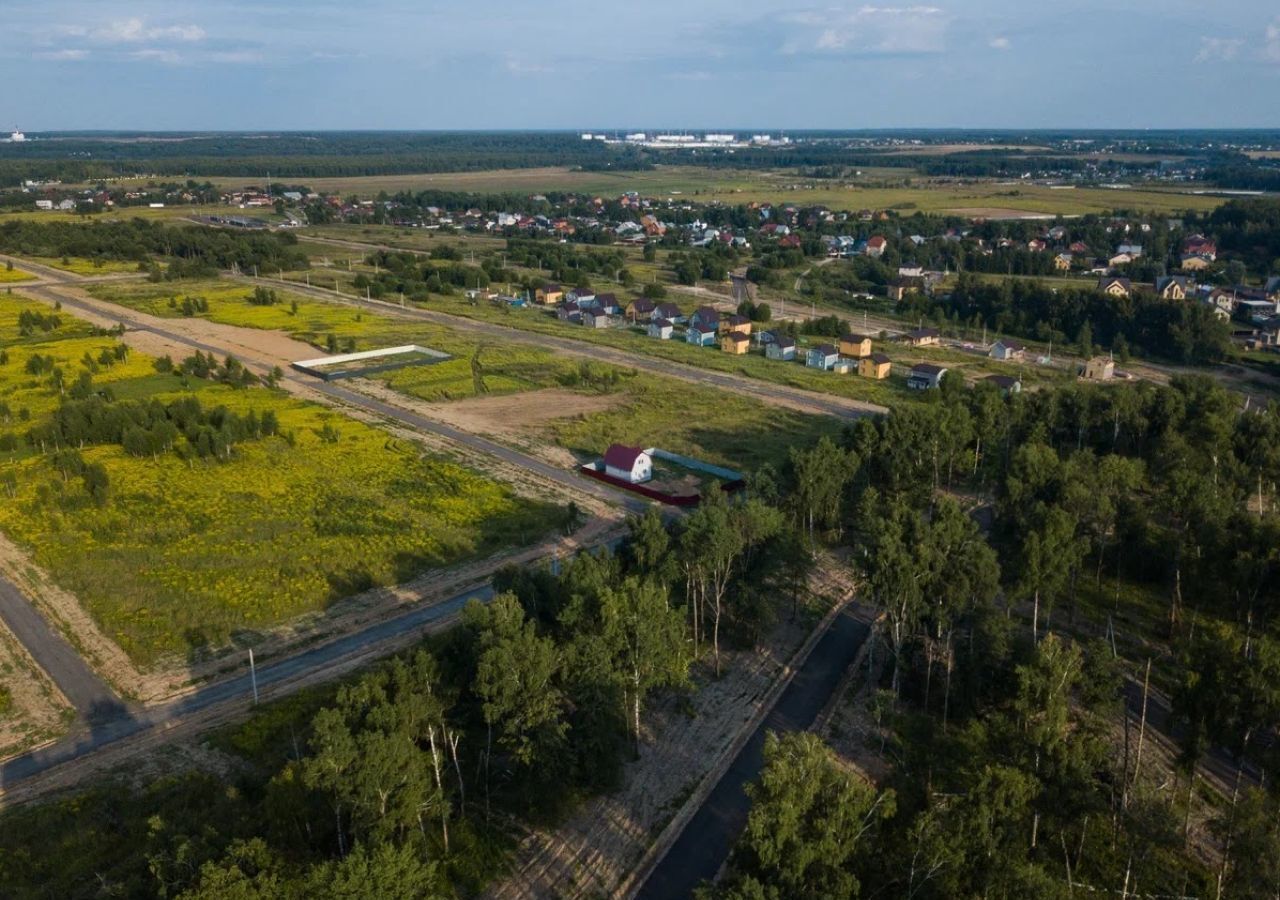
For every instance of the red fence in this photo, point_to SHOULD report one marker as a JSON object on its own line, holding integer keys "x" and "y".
{"x": 685, "y": 500}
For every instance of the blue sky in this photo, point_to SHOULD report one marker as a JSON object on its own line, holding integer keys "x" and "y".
{"x": 301, "y": 64}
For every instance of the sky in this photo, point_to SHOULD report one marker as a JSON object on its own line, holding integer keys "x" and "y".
{"x": 638, "y": 64}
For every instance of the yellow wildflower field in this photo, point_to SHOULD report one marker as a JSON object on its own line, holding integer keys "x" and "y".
{"x": 187, "y": 555}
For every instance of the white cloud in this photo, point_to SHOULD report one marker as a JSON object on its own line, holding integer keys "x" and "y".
{"x": 137, "y": 31}
{"x": 1216, "y": 49}
{"x": 999, "y": 43}
{"x": 153, "y": 54}
{"x": 67, "y": 55}
{"x": 866, "y": 29}
{"x": 1271, "y": 42}
{"x": 519, "y": 66}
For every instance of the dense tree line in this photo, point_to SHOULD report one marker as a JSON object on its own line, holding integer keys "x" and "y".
{"x": 191, "y": 250}
{"x": 1180, "y": 330}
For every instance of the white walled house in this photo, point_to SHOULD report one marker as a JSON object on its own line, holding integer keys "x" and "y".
{"x": 631, "y": 464}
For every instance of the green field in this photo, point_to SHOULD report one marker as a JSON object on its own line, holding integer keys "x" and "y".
{"x": 735, "y": 431}
{"x": 505, "y": 369}
{"x": 77, "y": 265}
{"x": 874, "y": 189}
{"x": 189, "y": 554}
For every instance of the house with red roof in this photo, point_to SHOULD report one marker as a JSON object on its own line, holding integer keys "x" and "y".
{"x": 631, "y": 464}
{"x": 876, "y": 245}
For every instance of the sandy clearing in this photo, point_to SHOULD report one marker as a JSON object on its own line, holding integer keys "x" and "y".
{"x": 519, "y": 414}
{"x": 592, "y": 852}
{"x": 39, "y": 712}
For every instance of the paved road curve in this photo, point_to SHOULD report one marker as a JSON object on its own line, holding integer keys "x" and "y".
{"x": 705, "y": 843}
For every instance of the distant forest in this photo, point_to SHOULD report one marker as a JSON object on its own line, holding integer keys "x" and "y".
{"x": 89, "y": 156}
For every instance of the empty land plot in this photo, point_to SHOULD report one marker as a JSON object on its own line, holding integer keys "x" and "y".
{"x": 477, "y": 367}
{"x": 32, "y": 710}
{"x": 187, "y": 551}
{"x": 14, "y": 276}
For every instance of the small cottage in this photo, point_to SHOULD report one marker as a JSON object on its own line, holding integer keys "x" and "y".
{"x": 925, "y": 377}
{"x": 662, "y": 329}
{"x": 824, "y": 357}
{"x": 782, "y": 348}
{"x": 1007, "y": 350}
{"x": 631, "y": 464}
{"x": 855, "y": 345}
{"x": 735, "y": 343}
{"x": 875, "y": 366}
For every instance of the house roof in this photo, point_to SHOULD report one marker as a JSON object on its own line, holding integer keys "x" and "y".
{"x": 669, "y": 310}
{"x": 551, "y": 287}
{"x": 927, "y": 369}
{"x": 825, "y": 350}
{"x": 924, "y": 333}
{"x": 738, "y": 320}
{"x": 783, "y": 340}
{"x": 854, "y": 338}
{"x": 607, "y": 299}
{"x": 876, "y": 241}
{"x": 1011, "y": 344}
{"x": 643, "y": 304}
{"x": 620, "y": 456}
{"x": 707, "y": 313}
{"x": 737, "y": 337}
{"x": 879, "y": 358}
{"x": 661, "y": 323}
{"x": 1004, "y": 382}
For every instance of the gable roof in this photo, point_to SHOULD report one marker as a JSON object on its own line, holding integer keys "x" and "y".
{"x": 924, "y": 333}
{"x": 620, "y": 456}
{"x": 1004, "y": 382}
{"x": 854, "y": 338}
{"x": 825, "y": 350}
{"x": 879, "y": 358}
{"x": 1009, "y": 344}
{"x": 927, "y": 369}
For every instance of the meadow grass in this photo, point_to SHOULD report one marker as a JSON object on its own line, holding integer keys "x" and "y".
{"x": 188, "y": 555}
{"x": 873, "y": 189}
{"x": 78, "y": 265}
{"x": 505, "y": 367}
{"x": 14, "y": 276}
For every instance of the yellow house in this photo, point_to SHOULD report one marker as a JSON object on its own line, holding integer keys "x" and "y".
{"x": 855, "y": 346}
{"x": 1194, "y": 262}
{"x": 1062, "y": 262}
{"x": 736, "y": 325}
{"x": 874, "y": 365}
{"x": 736, "y": 343}
{"x": 549, "y": 294}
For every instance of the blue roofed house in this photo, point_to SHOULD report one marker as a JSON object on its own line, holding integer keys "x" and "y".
{"x": 581, "y": 297}
{"x": 824, "y": 357}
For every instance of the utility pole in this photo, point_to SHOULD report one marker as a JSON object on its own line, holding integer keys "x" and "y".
{"x": 253, "y": 677}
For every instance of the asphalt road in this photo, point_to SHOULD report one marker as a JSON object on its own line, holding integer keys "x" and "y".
{"x": 810, "y": 401}
{"x": 704, "y": 844}
{"x": 88, "y": 693}
{"x": 132, "y": 722}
